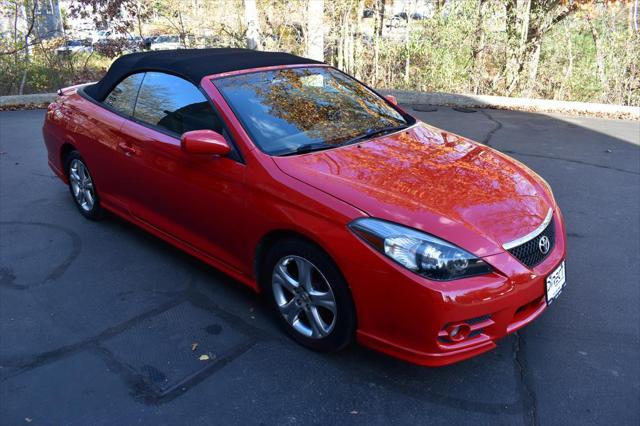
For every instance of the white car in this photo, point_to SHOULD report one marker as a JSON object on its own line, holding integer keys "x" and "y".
{"x": 167, "y": 42}
{"x": 74, "y": 46}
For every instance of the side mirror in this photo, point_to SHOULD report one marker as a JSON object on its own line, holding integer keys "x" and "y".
{"x": 391, "y": 99}
{"x": 204, "y": 142}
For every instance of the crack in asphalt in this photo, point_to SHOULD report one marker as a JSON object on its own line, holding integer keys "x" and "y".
{"x": 26, "y": 363}
{"x": 133, "y": 379}
{"x": 569, "y": 160}
{"x": 7, "y": 276}
{"x": 498, "y": 126}
{"x": 527, "y": 394}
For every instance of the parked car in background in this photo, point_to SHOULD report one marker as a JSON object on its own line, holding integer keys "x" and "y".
{"x": 209, "y": 41}
{"x": 397, "y": 20}
{"x": 136, "y": 44}
{"x": 355, "y": 219}
{"x": 75, "y": 46}
{"x": 166, "y": 42}
{"x": 102, "y": 35}
{"x": 419, "y": 16}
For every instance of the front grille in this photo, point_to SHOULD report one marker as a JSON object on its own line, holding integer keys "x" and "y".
{"x": 529, "y": 253}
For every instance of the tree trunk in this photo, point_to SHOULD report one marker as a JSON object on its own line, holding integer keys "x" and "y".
{"x": 511, "y": 60}
{"x": 518, "y": 22}
{"x": 139, "y": 21}
{"x": 407, "y": 46}
{"x": 525, "y": 31}
{"x": 315, "y": 29}
{"x": 16, "y": 59}
{"x": 600, "y": 60}
{"x": 381, "y": 17}
{"x": 30, "y": 23}
{"x": 478, "y": 47}
{"x": 534, "y": 61}
{"x": 356, "y": 45}
{"x": 253, "y": 25}
{"x": 344, "y": 62}
{"x": 376, "y": 52}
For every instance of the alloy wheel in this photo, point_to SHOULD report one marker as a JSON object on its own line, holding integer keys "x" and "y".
{"x": 304, "y": 297}
{"x": 81, "y": 185}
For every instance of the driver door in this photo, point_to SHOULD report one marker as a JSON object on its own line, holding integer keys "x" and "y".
{"x": 197, "y": 199}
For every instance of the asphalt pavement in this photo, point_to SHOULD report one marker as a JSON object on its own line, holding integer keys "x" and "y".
{"x": 103, "y": 324}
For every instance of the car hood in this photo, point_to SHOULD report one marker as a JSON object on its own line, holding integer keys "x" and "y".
{"x": 432, "y": 180}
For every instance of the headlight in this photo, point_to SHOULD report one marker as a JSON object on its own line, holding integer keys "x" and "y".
{"x": 421, "y": 253}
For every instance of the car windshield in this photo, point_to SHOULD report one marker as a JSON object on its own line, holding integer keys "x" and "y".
{"x": 302, "y": 109}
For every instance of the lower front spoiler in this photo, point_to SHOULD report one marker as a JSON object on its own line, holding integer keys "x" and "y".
{"x": 460, "y": 352}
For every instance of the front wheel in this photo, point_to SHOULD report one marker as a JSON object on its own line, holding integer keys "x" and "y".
{"x": 309, "y": 295}
{"x": 82, "y": 187}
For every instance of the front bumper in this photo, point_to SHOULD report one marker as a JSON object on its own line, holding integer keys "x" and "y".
{"x": 406, "y": 316}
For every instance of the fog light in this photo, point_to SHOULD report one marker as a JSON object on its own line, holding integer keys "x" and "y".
{"x": 458, "y": 332}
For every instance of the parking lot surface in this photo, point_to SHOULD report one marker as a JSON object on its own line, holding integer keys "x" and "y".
{"x": 103, "y": 324}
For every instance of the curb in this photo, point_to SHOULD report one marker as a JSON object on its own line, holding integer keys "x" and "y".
{"x": 431, "y": 98}
{"x": 27, "y": 100}
{"x": 521, "y": 104}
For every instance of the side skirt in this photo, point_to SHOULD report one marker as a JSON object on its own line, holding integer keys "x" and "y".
{"x": 209, "y": 260}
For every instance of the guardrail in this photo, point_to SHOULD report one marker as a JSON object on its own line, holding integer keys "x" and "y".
{"x": 432, "y": 98}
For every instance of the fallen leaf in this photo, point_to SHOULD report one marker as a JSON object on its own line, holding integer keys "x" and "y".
{"x": 204, "y": 357}
{"x": 194, "y": 346}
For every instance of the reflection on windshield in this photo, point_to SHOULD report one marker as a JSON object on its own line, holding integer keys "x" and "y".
{"x": 286, "y": 109}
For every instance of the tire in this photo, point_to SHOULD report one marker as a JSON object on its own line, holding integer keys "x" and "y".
{"x": 82, "y": 187}
{"x": 305, "y": 312}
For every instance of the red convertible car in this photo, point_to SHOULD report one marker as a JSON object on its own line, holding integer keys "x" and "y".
{"x": 357, "y": 221}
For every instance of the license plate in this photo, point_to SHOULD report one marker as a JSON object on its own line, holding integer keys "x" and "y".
{"x": 555, "y": 283}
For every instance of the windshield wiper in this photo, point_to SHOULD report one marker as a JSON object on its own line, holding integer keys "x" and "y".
{"x": 311, "y": 147}
{"x": 375, "y": 133}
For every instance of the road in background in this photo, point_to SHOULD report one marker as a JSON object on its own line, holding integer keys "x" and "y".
{"x": 98, "y": 320}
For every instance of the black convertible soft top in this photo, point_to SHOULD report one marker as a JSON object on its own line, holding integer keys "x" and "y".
{"x": 190, "y": 64}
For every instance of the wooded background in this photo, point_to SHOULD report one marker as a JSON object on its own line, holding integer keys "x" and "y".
{"x": 568, "y": 50}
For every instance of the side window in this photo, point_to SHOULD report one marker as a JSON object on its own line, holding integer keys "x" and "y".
{"x": 174, "y": 104}
{"x": 123, "y": 97}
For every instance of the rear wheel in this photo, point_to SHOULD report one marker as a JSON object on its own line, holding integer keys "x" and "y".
{"x": 309, "y": 295}
{"x": 82, "y": 187}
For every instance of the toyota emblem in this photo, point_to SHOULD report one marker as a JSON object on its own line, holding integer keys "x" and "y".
{"x": 544, "y": 244}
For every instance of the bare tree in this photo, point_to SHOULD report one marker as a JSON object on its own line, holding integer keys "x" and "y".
{"x": 407, "y": 42}
{"x": 527, "y": 22}
{"x": 252, "y": 24}
{"x": 478, "y": 47}
{"x": 315, "y": 29}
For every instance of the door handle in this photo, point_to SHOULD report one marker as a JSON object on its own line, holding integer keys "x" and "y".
{"x": 128, "y": 149}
